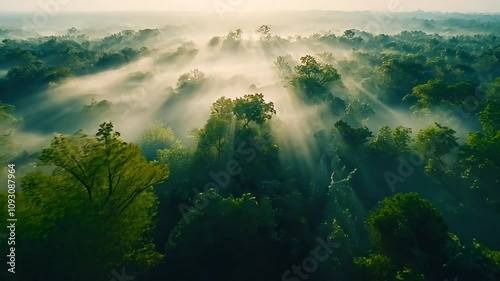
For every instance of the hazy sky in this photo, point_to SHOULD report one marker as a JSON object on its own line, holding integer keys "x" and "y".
{"x": 252, "y": 5}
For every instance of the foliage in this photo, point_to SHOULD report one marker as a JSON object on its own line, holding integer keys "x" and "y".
{"x": 392, "y": 143}
{"x": 253, "y": 108}
{"x": 106, "y": 186}
{"x": 353, "y": 136}
{"x": 7, "y": 144}
{"x": 249, "y": 198}
{"x": 312, "y": 78}
{"x": 481, "y": 155}
{"x": 265, "y": 32}
{"x": 405, "y": 221}
{"x": 231, "y": 228}
{"x": 155, "y": 137}
{"x": 438, "y": 92}
{"x": 190, "y": 81}
{"x": 104, "y": 166}
{"x": 434, "y": 143}
{"x": 284, "y": 65}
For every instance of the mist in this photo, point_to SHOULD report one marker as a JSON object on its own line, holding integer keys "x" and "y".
{"x": 348, "y": 98}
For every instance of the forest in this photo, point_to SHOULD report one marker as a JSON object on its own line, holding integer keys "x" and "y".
{"x": 253, "y": 153}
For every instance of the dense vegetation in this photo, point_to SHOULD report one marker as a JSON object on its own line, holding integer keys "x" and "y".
{"x": 238, "y": 198}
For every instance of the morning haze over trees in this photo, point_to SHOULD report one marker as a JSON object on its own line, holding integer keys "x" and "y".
{"x": 304, "y": 146}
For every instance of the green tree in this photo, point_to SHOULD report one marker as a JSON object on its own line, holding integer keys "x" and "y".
{"x": 284, "y": 65}
{"x": 55, "y": 74}
{"x": 392, "y": 143}
{"x": 7, "y": 145}
{"x": 437, "y": 93}
{"x": 216, "y": 134}
{"x": 265, "y": 32}
{"x": 190, "y": 81}
{"x": 353, "y": 136}
{"x": 232, "y": 230}
{"x": 359, "y": 110}
{"x": 349, "y": 34}
{"x": 397, "y": 78}
{"x": 431, "y": 93}
{"x": 434, "y": 143}
{"x": 481, "y": 155}
{"x": 223, "y": 108}
{"x": 490, "y": 117}
{"x": 409, "y": 238}
{"x": 253, "y": 108}
{"x": 104, "y": 166}
{"x": 100, "y": 187}
{"x": 26, "y": 72}
{"x": 312, "y": 79}
{"x": 233, "y": 39}
{"x": 155, "y": 137}
{"x": 407, "y": 221}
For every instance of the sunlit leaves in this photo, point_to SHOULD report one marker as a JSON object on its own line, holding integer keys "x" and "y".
{"x": 490, "y": 117}
{"x": 253, "y": 108}
{"x": 223, "y": 108}
{"x": 155, "y": 137}
{"x": 311, "y": 78}
{"x": 392, "y": 143}
{"x": 190, "y": 81}
{"x": 431, "y": 93}
{"x": 105, "y": 167}
{"x": 100, "y": 187}
{"x": 492, "y": 256}
{"x": 433, "y": 143}
{"x": 215, "y": 135}
{"x": 438, "y": 92}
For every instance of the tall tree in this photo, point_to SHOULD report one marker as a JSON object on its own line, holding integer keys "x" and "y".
{"x": 253, "y": 108}
{"x": 101, "y": 188}
{"x": 106, "y": 168}
{"x": 312, "y": 78}
{"x": 434, "y": 143}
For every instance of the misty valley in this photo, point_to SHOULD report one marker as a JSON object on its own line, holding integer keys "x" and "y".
{"x": 306, "y": 145}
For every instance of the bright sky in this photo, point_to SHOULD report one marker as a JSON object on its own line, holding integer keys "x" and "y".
{"x": 253, "y": 5}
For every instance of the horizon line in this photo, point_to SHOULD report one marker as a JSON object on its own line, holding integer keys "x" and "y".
{"x": 262, "y": 11}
